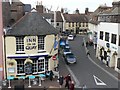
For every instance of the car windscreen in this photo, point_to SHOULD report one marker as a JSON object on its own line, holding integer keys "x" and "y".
{"x": 66, "y": 50}
{"x": 70, "y": 55}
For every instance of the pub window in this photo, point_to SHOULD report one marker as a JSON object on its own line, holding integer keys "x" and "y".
{"x": 34, "y": 66}
{"x": 119, "y": 40}
{"x": 46, "y": 64}
{"x": 41, "y": 42}
{"x": 118, "y": 63}
{"x": 20, "y": 66}
{"x": 113, "y": 40}
{"x": 101, "y": 35}
{"x": 106, "y": 36}
{"x": 19, "y": 43}
{"x": 41, "y": 65}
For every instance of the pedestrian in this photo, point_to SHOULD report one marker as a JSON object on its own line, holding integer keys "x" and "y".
{"x": 67, "y": 81}
{"x": 83, "y": 44}
{"x": 102, "y": 58}
{"x": 61, "y": 81}
{"x": 51, "y": 75}
{"x": 108, "y": 59}
{"x": 72, "y": 85}
{"x": 88, "y": 53}
{"x": 84, "y": 87}
{"x": 86, "y": 43}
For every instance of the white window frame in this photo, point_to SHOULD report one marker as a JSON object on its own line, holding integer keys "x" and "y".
{"x": 23, "y": 68}
{"x": 19, "y": 43}
{"x": 41, "y": 42}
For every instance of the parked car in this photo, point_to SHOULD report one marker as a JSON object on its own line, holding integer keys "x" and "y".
{"x": 70, "y": 37}
{"x": 67, "y": 46}
{"x": 70, "y": 58}
{"x": 66, "y": 51}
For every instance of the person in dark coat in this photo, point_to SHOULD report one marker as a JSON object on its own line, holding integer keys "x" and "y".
{"x": 51, "y": 75}
{"x": 61, "y": 80}
{"x": 72, "y": 85}
{"x": 67, "y": 80}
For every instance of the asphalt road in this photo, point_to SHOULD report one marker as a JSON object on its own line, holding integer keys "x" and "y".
{"x": 87, "y": 73}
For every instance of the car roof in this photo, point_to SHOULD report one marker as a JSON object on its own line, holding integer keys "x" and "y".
{"x": 69, "y": 54}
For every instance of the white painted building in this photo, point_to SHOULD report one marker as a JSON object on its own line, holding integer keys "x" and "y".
{"x": 93, "y": 29}
{"x": 109, "y": 43}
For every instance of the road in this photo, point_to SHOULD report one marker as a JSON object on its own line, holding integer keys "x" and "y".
{"x": 86, "y": 72}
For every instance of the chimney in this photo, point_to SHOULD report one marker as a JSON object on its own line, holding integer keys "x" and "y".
{"x": 86, "y": 10}
{"x": 62, "y": 10}
{"x": 39, "y": 8}
{"x": 116, "y": 4}
{"x": 77, "y": 11}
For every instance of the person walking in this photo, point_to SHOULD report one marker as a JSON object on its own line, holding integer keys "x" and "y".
{"x": 88, "y": 53}
{"x": 72, "y": 85}
{"x": 51, "y": 75}
{"x": 102, "y": 58}
{"x": 67, "y": 80}
{"x": 107, "y": 62}
{"x": 61, "y": 80}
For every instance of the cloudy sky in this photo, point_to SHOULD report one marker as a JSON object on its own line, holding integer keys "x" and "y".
{"x": 71, "y": 5}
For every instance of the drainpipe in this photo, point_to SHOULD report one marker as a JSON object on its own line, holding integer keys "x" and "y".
{"x": 1, "y": 45}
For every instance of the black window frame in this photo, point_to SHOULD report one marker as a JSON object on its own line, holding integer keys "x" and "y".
{"x": 113, "y": 38}
{"x": 106, "y": 36}
{"x": 101, "y": 35}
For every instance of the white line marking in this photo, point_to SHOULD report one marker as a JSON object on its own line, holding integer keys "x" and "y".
{"x": 100, "y": 81}
{"x": 100, "y": 66}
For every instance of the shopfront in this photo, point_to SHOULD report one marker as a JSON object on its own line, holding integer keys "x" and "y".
{"x": 18, "y": 65}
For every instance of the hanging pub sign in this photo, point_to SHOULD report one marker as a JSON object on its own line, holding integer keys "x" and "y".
{"x": 31, "y": 43}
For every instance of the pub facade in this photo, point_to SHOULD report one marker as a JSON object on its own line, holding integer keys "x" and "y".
{"x": 29, "y": 46}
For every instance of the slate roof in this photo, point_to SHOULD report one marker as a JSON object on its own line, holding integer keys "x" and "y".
{"x": 75, "y": 18}
{"x": 31, "y": 24}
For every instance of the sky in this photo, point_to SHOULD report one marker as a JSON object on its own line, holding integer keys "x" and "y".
{"x": 71, "y": 5}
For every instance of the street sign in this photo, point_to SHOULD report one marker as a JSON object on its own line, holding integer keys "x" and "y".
{"x": 54, "y": 57}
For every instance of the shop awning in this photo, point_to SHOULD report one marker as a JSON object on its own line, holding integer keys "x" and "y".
{"x": 28, "y": 55}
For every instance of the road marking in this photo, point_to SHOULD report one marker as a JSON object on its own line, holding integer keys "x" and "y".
{"x": 98, "y": 81}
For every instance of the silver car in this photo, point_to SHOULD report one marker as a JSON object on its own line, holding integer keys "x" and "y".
{"x": 70, "y": 58}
